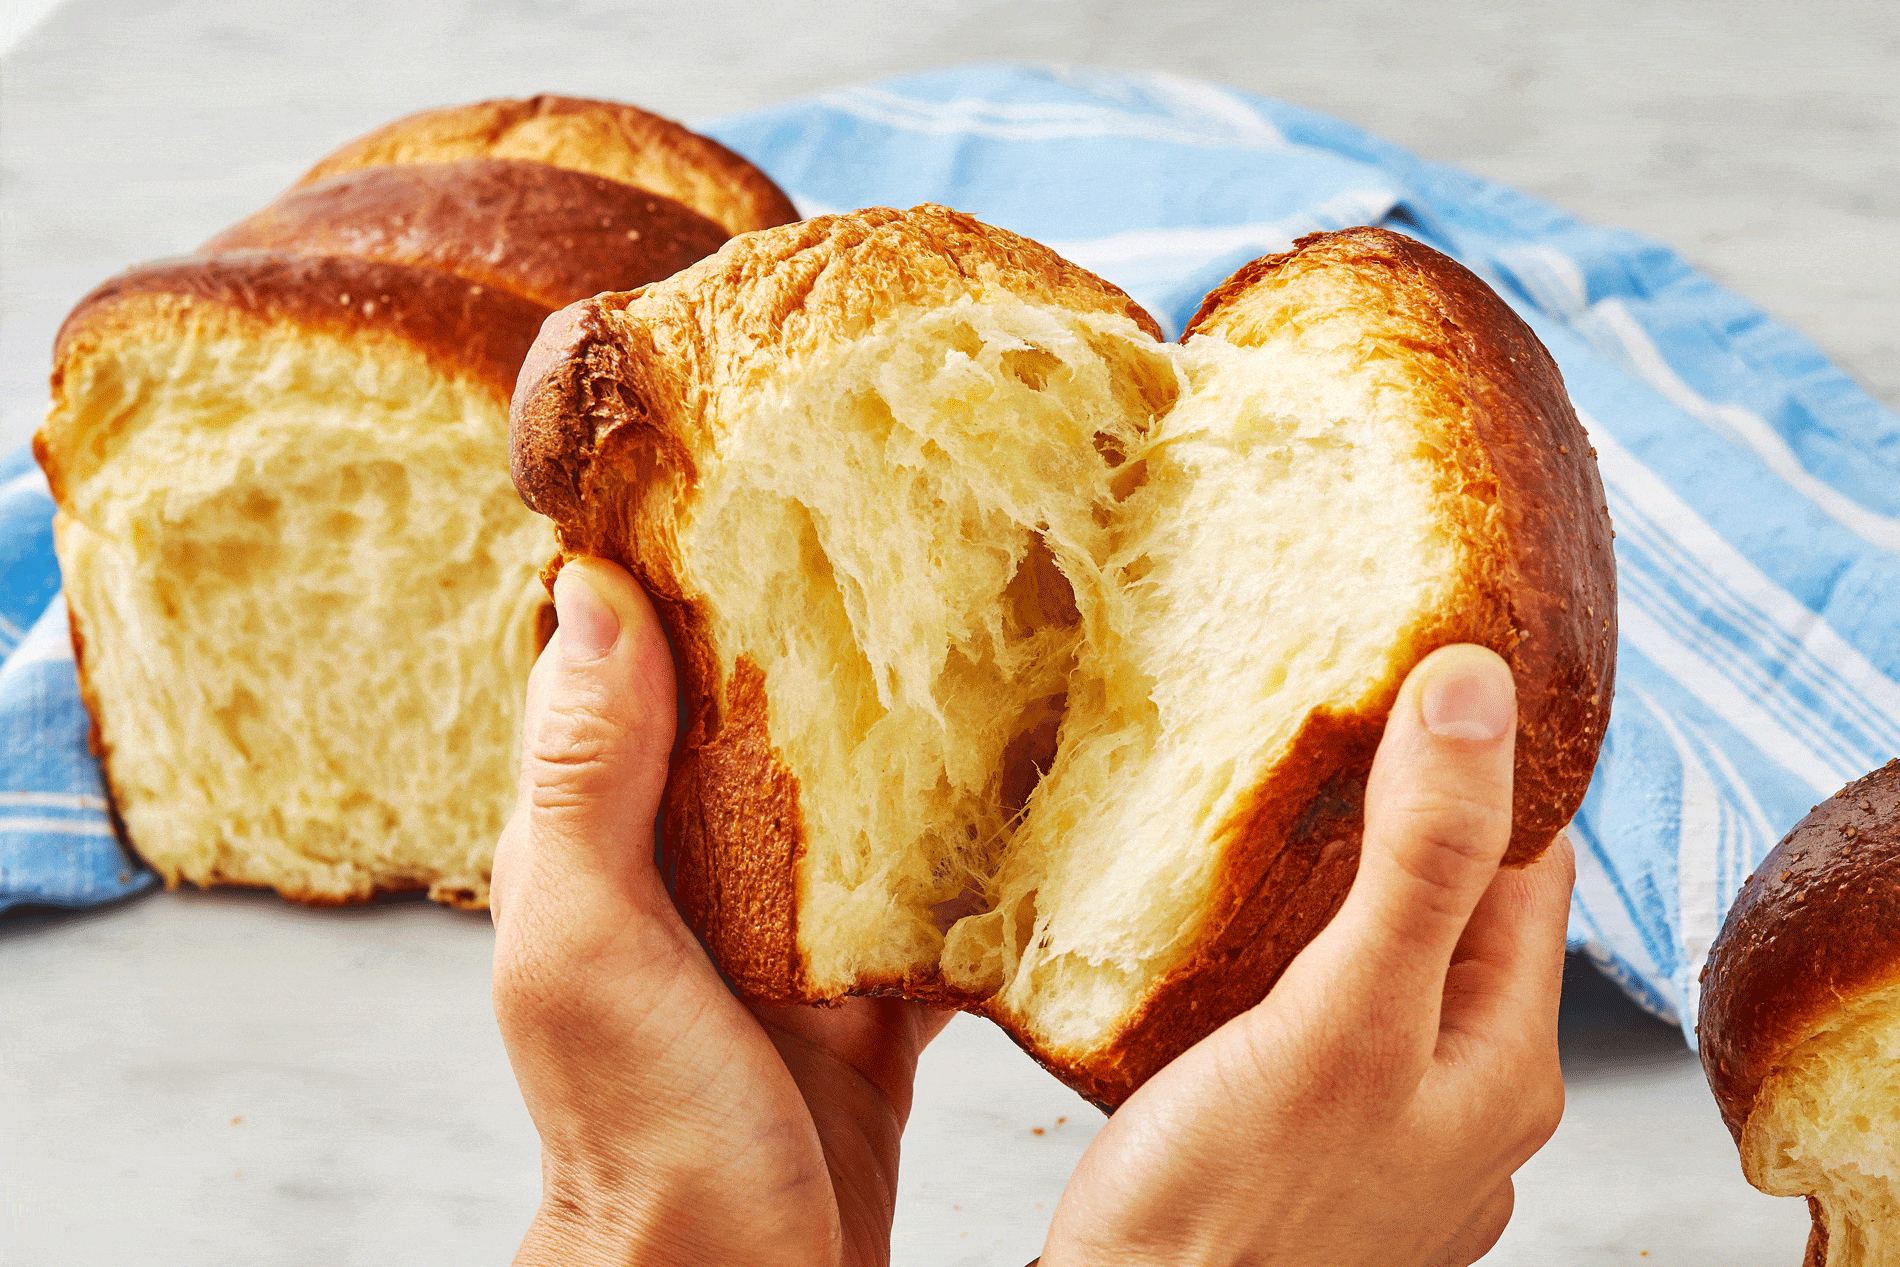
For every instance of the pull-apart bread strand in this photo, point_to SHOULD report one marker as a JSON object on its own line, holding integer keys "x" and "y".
{"x": 606, "y": 138}
{"x": 1035, "y": 666}
{"x": 1799, "y": 1026}
{"x": 301, "y": 583}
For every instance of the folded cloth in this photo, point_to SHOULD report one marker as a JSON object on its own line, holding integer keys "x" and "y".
{"x": 1753, "y": 485}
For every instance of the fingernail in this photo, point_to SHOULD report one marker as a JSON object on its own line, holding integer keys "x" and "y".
{"x": 1468, "y": 696}
{"x": 589, "y": 627}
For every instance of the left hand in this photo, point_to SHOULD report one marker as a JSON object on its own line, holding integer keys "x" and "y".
{"x": 678, "y": 1125}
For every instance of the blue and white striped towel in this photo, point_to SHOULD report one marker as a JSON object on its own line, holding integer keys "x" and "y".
{"x": 1755, "y": 488}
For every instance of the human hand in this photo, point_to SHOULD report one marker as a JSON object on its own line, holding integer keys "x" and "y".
{"x": 677, "y": 1124}
{"x": 1372, "y": 1109}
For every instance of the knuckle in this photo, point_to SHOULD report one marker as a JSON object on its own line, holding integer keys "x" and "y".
{"x": 1446, "y": 837}
{"x": 569, "y": 753}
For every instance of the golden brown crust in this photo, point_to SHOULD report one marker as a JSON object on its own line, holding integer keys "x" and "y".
{"x": 621, "y": 373}
{"x": 606, "y": 138}
{"x": 464, "y": 326}
{"x": 728, "y": 783}
{"x": 547, "y": 234}
{"x": 1812, "y": 929}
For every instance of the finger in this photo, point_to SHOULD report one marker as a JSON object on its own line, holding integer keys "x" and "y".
{"x": 596, "y": 731}
{"x": 1437, "y": 821}
{"x": 1506, "y": 976}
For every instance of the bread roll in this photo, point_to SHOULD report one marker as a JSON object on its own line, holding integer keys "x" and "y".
{"x": 606, "y": 138}
{"x": 545, "y": 233}
{"x": 1800, "y": 1022}
{"x": 1032, "y": 665}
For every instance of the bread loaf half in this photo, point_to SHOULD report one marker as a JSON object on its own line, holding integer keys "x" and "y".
{"x": 302, "y": 589}
{"x": 548, "y": 234}
{"x": 606, "y": 138}
{"x": 301, "y": 584}
{"x": 1035, "y": 666}
{"x": 1800, "y": 1022}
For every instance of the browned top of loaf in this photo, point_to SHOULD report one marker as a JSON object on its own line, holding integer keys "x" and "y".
{"x": 464, "y": 326}
{"x": 606, "y": 138}
{"x": 545, "y": 233}
{"x": 1816, "y": 925}
{"x": 1514, "y": 437}
{"x": 641, "y": 369}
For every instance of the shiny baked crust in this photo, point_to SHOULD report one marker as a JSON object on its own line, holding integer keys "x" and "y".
{"x": 606, "y": 138}
{"x": 1812, "y": 928}
{"x": 611, "y": 408}
{"x": 548, "y": 234}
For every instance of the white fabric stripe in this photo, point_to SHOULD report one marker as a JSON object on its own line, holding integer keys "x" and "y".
{"x": 1038, "y": 123}
{"x": 1182, "y": 250}
{"x": 1555, "y": 282}
{"x": 1602, "y": 902}
{"x": 32, "y": 480}
{"x": 1655, "y": 546}
{"x": 1213, "y": 101}
{"x": 1205, "y": 243}
{"x": 48, "y": 642}
{"x": 1698, "y": 558}
{"x": 10, "y": 631}
{"x": 1698, "y": 838}
{"x": 1610, "y": 327}
{"x": 1758, "y": 833}
{"x": 1733, "y": 705}
{"x": 55, "y": 826}
{"x": 53, "y": 800}
{"x": 1827, "y": 745}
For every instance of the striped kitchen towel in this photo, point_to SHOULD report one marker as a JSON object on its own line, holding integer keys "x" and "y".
{"x": 1754, "y": 487}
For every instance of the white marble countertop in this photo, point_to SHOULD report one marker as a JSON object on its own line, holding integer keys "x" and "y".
{"x": 211, "y": 1079}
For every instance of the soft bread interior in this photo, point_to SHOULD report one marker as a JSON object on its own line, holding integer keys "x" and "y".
{"x": 308, "y": 589}
{"x": 910, "y": 535}
{"x": 1246, "y": 615}
{"x": 1029, "y": 554}
{"x": 1827, "y": 1123}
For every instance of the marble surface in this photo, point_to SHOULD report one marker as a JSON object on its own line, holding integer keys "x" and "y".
{"x": 213, "y": 1079}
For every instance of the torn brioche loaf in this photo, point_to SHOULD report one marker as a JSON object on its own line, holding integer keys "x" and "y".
{"x": 605, "y": 138}
{"x": 1799, "y": 1024}
{"x": 1032, "y": 665}
{"x": 300, "y": 581}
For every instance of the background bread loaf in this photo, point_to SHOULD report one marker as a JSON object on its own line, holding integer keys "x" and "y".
{"x": 606, "y": 138}
{"x": 1030, "y": 664}
{"x": 302, "y": 587}
{"x": 1799, "y": 1027}
{"x": 545, "y": 233}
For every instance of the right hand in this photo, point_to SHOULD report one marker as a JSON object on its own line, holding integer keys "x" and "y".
{"x": 1371, "y": 1110}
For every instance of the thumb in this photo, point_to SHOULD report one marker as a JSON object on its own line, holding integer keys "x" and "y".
{"x": 1437, "y": 821}
{"x": 596, "y": 732}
